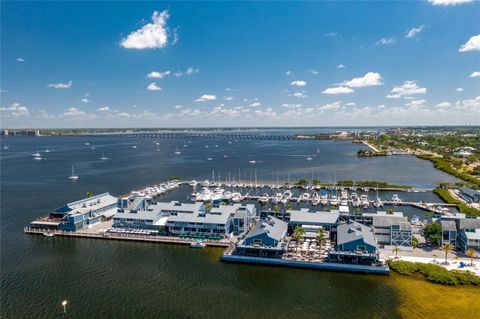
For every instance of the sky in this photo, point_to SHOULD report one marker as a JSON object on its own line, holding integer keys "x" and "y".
{"x": 239, "y": 64}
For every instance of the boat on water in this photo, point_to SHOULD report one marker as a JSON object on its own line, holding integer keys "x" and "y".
{"x": 264, "y": 198}
{"x": 209, "y": 159}
{"x": 344, "y": 201}
{"x": 86, "y": 144}
{"x": 252, "y": 162}
{"x": 228, "y": 195}
{"x": 193, "y": 183}
{"x": 37, "y": 158}
{"x": 103, "y": 156}
{"x": 198, "y": 244}
{"x": 364, "y": 202}
{"x": 334, "y": 200}
{"x": 36, "y": 154}
{"x": 134, "y": 146}
{"x": 323, "y": 197}
{"x": 5, "y": 147}
{"x": 305, "y": 197}
{"x": 237, "y": 197}
{"x": 177, "y": 152}
{"x": 396, "y": 199}
{"x": 309, "y": 158}
{"x": 48, "y": 234}
{"x": 378, "y": 203}
{"x": 73, "y": 177}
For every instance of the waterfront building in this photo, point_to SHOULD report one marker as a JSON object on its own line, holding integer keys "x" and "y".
{"x": 80, "y": 214}
{"x": 460, "y": 230}
{"x": 312, "y": 221}
{"x": 355, "y": 245}
{"x": 242, "y": 218}
{"x": 449, "y": 232}
{"x": 392, "y": 230}
{"x": 265, "y": 239}
{"x": 470, "y": 195}
{"x": 140, "y": 215}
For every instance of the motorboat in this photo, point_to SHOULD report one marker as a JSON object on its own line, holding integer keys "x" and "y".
{"x": 193, "y": 183}
{"x": 48, "y": 234}
{"x": 344, "y": 201}
{"x": 227, "y": 195}
{"x": 37, "y": 158}
{"x": 396, "y": 199}
{"x": 264, "y": 198}
{"x": 323, "y": 197}
{"x": 334, "y": 200}
{"x": 305, "y": 197}
{"x": 277, "y": 198}
{"x": 364, "y": 202}
{"x": 36, "y": 154}
{"x": 237, "y": 197}
{"x": 344, "y": 193}
{"x": 103, "y": 158}
{"x": 209, "y": 159}
{"x": 73, "y": 176}
{"x": 378, "y": 203}
{"x": 309, "y": 158}
{"x": 206, "y": 183}
{"x": 177, "y": 152}
{"x": 86, "y": 143}
{"x": 315, "y": 199}
{"x": 198, "y": 244}
{"x": 252, "y": 162}
{"x": 134, "y": 146}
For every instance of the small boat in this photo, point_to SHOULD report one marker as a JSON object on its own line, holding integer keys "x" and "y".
{"x": 305, "y": 197}
{"x": 193, "y": 183}
{"x": 86, "y": 143}
{"x": 48, "y": 234}
{"x": 209, "y": 159}
{"x": 5, "y": 147}
{"x": 237, "y": 197}
{"x": 334, "y": 200}
{"x": 264, "y": 199}
{"x": 156, "y": 143}
{"x": 364, "y": 201}
{"x": 103, "y": 156}
{"x": 396, "y": 199}
{"x": 344, "y": 201}
{"x": 73, "y": 177}
{"x": 37, "y": 158}
{"x": 252, "y": 162}
{"x": 177, "y": 152}
{"x": 36, "y": 154}
{"x": 197, "y": 244}
{"x": 309, "y": 158}
{"x": 134, "y": 146}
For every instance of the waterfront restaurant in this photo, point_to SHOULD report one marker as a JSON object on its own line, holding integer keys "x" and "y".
{"x": 80, "y": 214}
{"x": 311, "y": 221}
{"x": 392, "y": 230}
{"x": 355, "y": 245}
{"x": 265, "y": 239}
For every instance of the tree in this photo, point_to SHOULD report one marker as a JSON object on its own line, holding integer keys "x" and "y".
{"x": 414, "y": 242}
{"x": 472, "y": 253}
{"x": 276, "y": 208}
{"x": 315, "y": 181}
{"x": 447, "y": 248}
{"x": 433, "y": 232}
{"x": 298, "y": 233}
{"x": 321, "y": 237}
{"x": 301, "y": 181}
{"x": 89, "y": 194}
{"x": 288, "y": 206}
{"x": 396, "y": 250}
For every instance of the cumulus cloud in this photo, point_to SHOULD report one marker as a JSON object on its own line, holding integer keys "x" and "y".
{"x": 206, "y": 97}
{"x": 341, "y": 66}
{"x": 74, "y": 112}
{"x": 338, "y": 90}
{"x": 228, "y": 98}
{"x": 255, "y": 104}
{"x": 301, "y": 95}
{"x": 383, "y": 41}
{"x": 153, "y": 87}
{"x": 298, "y": 83}
{"x": 369, "y": 79}
{"x": 443, "y": 105}
{"x": 104, "y": 109}
{"x": 406, "y": 90}
{"x": 288, "y": 72}
{"x": 330, "y": 34}
{"x": 459, "y": 89}
{"x": 473, "y": 44}
{"x": 153, "y": 35}
{"x": 158, "y": 75}
{"x": 15, "y": 110}
{"x": 191, "y": 70}
{"x": 60, "y": 85}
{"x": 412, "y": 33}
{"x": 475, "y": 74}
{"x": 448, "y": 2}
{"x": 19, "y": 59}
{"x": 416, "y": 103}
{"x": 85, "y": 100}
{"x": 314, "y": 72}
{"x": 330, "y": 106}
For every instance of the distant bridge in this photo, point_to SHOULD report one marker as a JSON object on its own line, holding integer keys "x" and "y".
{"x": 205, "y": 136}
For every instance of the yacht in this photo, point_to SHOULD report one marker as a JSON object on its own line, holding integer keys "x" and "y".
{"x": 315, "y": 199}
{"x": 378, "y": 203}
{"x": 286, "y": 197}
{"x": 37, "y": 158}
{"x": 396, "y": 199}
{"x": 156, "y": 143}
{"x": 364, "y": 201}
{"x": 177, "y": 152}
{"x": 134, "y": 146}
{"x": 237, "y": 197}
{"x": 227, "y": 195}
{"x": 103, "y": 156}
{"x": 73, "y": 177}
{"x": 323, "y": 197}
{"x": 252, "y": 162}
{"x": 334, "y": 200}
{"x": 198, "y": 244}
{"x": 277, "y": 198}
{"x": 264, "y": 198}
{"x": 194, "y": 196}
{"x": 206, "y": 183}
{"x": 305, "y": 197}
{"x": 344, "y": 193}
{"x": 193, "y": 183}
{"x": 209, "y": 159}
{"x": 36, "y": 154}
{"x": 344, "y": 201}
{"x": 309, "y": 158}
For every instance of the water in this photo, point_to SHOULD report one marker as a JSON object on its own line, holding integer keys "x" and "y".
{"x": 139, "y": 280}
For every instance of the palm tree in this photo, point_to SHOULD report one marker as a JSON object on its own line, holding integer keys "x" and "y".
{"x": 298, "y": 233}
{"x": 447, "y": 248}
{"x": 89, "y": 194}
{"x": 472, "y": 253}
{"x": 321, "y": 237}
{"x": 396, "y": 250}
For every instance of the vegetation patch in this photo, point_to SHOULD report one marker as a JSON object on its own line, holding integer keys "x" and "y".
{"x": 434, "y": 273}
{"x": 445, "y": 166}
{"x": 348, "y": 182}
{"x": 464, "y": 208}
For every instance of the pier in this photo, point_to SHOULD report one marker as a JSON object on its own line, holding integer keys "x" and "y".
{"x": 201, "y": 135}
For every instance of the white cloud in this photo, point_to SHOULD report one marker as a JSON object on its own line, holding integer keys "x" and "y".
{"x": 104, "y": 109}
{"x": 255, "y": 104}
{"x": 85, "y": 100}
{"x": 288, "y": 72}
{"x": 206, "y": 97}
{"x": 298, "y": 83}
{"x": 314, "y": 72}
{"x": 448, "y": 2}
{"x": 369, "y": 79}
{"x": 60, "y": 85}
{"x": 331, "y": 106}
{"x": 416, "y": 103}
{"x": 351, "y": 104}
{"x": 341, "y": 66}
{"x": 459, "y": 89}
{"x": 15, "y": 110}
{"x": 20, "y": 59}
{"x": 338, "y": 90}
{"x": 153, "y": 87}
{"x": 178, "y": 107}
{"x": 228, "y": 98}
{"x": 268, "y": 113}
{"x": 473, "y": 44}
{"x": 330, "y": 34}
{"x": 158, "y": 75}
{"x": 74, "y": 112}
{"x": 412, "y": 33}
{"x": 191, "y": 70}
{"x": 292, "y": 106}
{"x": 178, "y": 74}
{"x": 475, "y": 74}
{"x": 153, "y": 35}
{"x": 299, "y": 95}
{"x": 386, "y": 41}
{"x": 407, "y": 89}
{"x": 443, "y": 105}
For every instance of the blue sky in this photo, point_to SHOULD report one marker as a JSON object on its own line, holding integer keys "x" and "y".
{"x": 162, "y": 64}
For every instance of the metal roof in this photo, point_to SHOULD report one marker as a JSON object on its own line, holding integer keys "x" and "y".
{"x": 272, "y": 227}
{"x": 448, "y": 225}
{"x": 387, "y": 221}
{"x": 353, "y": 231}
{"x": 312, "y": 218}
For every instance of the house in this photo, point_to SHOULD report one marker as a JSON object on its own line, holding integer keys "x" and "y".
{"x": 242, "y": 218}
{"x": 355, "y": 245}
{"x": 468, "y": 234}
{"x": 79, "y": 214}
{"x": 392, "y": 230}
{"x": 140, "y": 215}
{"x": 265, "y": 239}
{"x": 312, "y": 221}
{"x": 470, "y": 195}
{"x": 449, "y": 231}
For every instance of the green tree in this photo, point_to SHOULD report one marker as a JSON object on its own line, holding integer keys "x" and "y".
{"x": 315, "y": 181}
{"x": 414, "y": 242}
{"x": 276, "y": 208}
{"x": 298, "y": 233}
{"x": 447, "y": 248}
{"x": 433, "y": 232}
{"x": 472, "y": 253}
{"x": 396, "y": 250}
{"x": 301, "y": 181}
{"x": 89, "y": 194}
{"x": 321, "y": 237}
{"x": 288, "y": 206}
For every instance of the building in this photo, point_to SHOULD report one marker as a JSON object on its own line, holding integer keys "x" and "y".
{"x": 470, "y": 195}
{"x": 242, "y": 218}
{"x": 355, "y": 245}
{"x": 140, "y": 215}
{"x": 449, "y": 232}
{"x": 468, "y": 234}
{"x": 265, "y": 239}
{"x": 312, "y": 221}
{"x": 80, "y": 214}
{"x": 392, "y": 230}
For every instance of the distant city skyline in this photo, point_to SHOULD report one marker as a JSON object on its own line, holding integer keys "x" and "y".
{"x": 239, "y": 64}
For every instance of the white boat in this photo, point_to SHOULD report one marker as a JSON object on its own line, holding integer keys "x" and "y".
{"x": 47, "y": 150}
{"x": 209, "y": 159}
{"x": 277, "y": 198}
{"x": 73, "y": 176}
{"x": 309, "y": 158}
{"x": 344, "y": 193}
{"x": 334, "y": 200}
{"x": 305, "y": 197}
{"x": 103, "y": 156}
{"x": 364, "y": 201}
{"x": 134, "y": 146}
{"x": 193, "y": 183}
{"x": 237, "y": 197}
{"x": 197, "y": 244}
{"x": 37, "y": 158}
{"x": 264, "y": 199}
{"x": 344, "y": 201}
{"x": 177, "y": 152}
{"x": 252, "y": 162}
{"x": 48, "y": 234}
{"x": 36, "y": 154}
{"x": 378, "y": 203}
{"x": 227, "y": 195}
{"x": 206, "y": 183}
{"x": 323, "y": 197}
{"x": 86, "y": 143}
{"x": 396, "y": 199}
{"x": 5, "y": 147}
{"x": 315, "y": 199}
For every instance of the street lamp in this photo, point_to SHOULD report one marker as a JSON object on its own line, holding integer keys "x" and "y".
{"x": 64, "y": 305}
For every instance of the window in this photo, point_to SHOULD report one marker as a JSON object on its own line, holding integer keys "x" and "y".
{"x": 361, "y": 248}
{"x": 257, "y": 241}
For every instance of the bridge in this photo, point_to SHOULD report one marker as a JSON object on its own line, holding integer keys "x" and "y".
{"x": 202, "y": 135}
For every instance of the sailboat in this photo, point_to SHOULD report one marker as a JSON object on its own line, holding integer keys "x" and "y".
{"x": 177, "y": 152}
{"x": 103, "y": 156}
{"x": 73, "y": 177}
{"x": 5, "y": 147}
{"x": 47, "y": 150}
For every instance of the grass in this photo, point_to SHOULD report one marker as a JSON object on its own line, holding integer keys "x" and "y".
{"x": 445, "y": 166}
{"x": 435, "y": 273}
{"x": 464, "y": 208}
